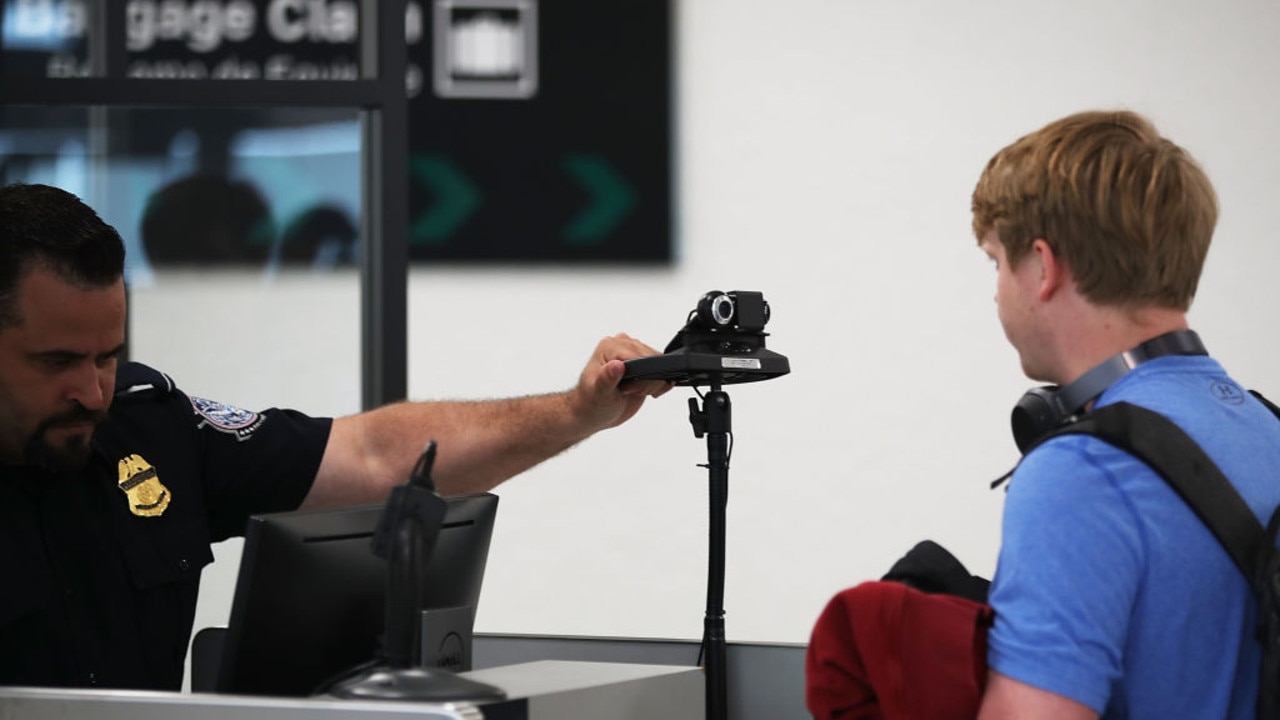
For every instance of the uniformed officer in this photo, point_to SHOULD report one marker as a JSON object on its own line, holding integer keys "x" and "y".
{"x": 113, "y": 482}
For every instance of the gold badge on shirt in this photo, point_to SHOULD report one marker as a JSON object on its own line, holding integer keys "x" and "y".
{"x": 138, "y": 480}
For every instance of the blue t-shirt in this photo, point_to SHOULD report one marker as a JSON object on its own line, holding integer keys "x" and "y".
{"x": 1109, "y": 590}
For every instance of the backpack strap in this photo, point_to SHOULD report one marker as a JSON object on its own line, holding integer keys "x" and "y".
{"x": 1162, "y": 445}
{"x": 1275, "y": 410}
{"x": 1165, "y": 448}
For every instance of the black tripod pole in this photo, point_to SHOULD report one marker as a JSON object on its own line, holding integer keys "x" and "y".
{"x": 715, "y": 420}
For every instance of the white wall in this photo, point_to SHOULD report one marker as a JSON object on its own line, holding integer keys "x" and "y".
{"x": 826, "y": 154}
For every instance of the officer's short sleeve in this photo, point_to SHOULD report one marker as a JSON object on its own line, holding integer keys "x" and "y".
{"x": 254, "y": 462}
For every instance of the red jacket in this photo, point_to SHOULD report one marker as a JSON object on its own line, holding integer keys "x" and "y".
{"x": 883, "y": 650}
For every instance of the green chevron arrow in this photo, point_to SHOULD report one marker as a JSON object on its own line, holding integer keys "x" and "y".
{"x": 611, "y": 200}
{"x": 456, "y": 198}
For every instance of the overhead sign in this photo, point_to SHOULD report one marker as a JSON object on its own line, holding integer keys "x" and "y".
{"x": 243, "y": 39}
{"x": 543, "y": 131}
{"x": 539, "y": 129}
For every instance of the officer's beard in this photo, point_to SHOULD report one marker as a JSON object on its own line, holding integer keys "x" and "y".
{"x": 71, "y": 454}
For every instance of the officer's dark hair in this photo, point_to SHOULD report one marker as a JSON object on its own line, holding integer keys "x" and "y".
{"x": 43, "y": 226}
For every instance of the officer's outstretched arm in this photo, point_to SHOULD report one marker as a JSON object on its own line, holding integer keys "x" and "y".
{"x": 481, "y": 443}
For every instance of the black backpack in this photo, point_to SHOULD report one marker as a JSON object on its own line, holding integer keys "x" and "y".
{"x": 1177, "y": 458}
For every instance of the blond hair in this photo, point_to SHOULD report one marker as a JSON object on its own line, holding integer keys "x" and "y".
{"x": 1128, "y": 211}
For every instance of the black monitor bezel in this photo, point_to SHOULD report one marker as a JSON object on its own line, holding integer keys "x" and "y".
{"x": 284, "y": 637}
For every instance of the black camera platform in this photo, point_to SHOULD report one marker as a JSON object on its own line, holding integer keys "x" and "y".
{"x": 687, "y": 367}
{"x": 722, "y": 343}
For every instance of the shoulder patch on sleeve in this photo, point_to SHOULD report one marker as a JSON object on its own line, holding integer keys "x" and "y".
{"x": 226, "y": 418}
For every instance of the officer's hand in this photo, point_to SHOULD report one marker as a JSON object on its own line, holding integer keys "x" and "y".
{"x": 601, "y": 400}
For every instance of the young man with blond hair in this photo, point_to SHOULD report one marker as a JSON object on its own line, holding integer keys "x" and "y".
{"x": 1112, "y": 598}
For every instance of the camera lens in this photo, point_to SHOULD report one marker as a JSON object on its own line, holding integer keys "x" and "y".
{"x": 722, "y": 309}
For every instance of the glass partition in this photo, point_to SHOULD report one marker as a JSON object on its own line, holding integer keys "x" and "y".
{"x": 267, "y": 244}
{"x": 242, "y": 235}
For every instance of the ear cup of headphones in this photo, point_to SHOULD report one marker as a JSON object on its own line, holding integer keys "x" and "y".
{"x": 1043, "y": 409}
{"x": 1037, "y": 413}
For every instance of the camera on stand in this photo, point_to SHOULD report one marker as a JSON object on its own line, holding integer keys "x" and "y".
{"x": 721, "y": 343}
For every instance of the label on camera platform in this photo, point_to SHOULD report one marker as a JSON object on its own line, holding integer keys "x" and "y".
{"x": 732, "y": 363}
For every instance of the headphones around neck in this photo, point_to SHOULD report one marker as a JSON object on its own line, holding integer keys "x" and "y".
{"x": 1043, "y": 409}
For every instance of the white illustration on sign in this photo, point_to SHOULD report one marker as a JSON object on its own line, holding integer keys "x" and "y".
{"x": 486, "y": 48}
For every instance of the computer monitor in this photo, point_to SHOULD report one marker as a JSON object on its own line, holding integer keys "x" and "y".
{"x": 310, "y": 598}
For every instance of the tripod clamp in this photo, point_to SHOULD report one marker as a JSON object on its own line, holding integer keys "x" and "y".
{"x": 701, "y": 417}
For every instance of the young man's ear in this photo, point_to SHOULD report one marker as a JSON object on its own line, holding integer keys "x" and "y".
{"x": 1053, "y": 274}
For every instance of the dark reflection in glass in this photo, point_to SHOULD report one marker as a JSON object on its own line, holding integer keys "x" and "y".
{"x": 265, "y": 188}
{"x": 207, "y": 219}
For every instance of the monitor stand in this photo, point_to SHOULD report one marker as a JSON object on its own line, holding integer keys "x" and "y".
{"x": 405, "y": 535}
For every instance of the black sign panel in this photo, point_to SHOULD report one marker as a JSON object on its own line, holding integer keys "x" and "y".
{"x": 539, "y": 129}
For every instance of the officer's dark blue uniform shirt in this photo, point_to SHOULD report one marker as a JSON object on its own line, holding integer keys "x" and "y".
{"x": 100, "y": 570}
